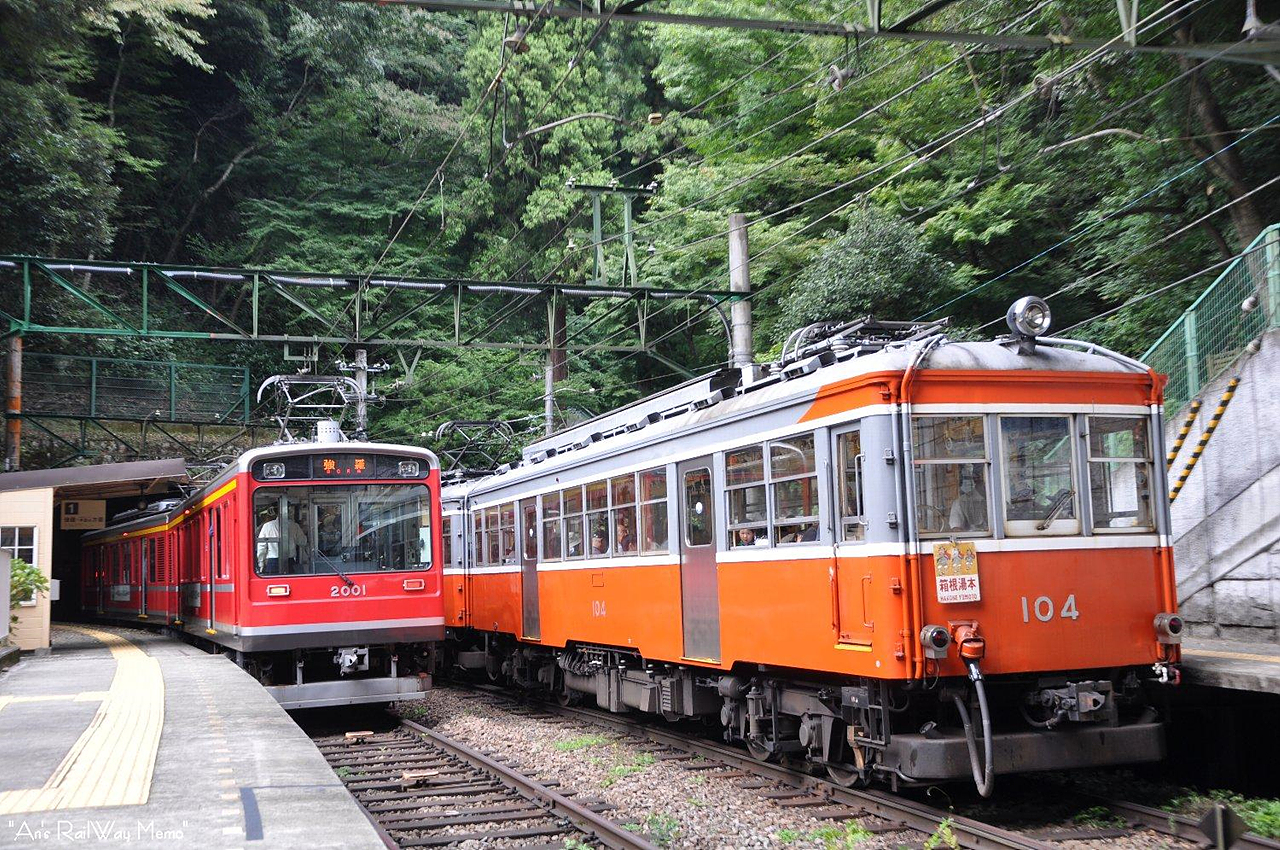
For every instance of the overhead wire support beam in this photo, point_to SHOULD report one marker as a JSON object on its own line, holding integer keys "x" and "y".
{"x": 1259, "y": 52}
{"x": 140, "y": 319}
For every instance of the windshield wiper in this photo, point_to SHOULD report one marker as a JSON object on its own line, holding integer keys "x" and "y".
{"x": 334, "y": 564}
{"x": 1059, "y": 502}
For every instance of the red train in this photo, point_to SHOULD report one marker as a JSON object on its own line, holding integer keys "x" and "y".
{"x": 314, "y": 565}
{"x": 897, "y": 556}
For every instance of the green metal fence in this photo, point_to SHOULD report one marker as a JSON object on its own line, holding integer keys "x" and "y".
{"x": 1239, "y": 306}
{"x": 115, "y": 388}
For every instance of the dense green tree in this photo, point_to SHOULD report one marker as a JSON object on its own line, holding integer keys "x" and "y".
{"x": 934, "y": 180}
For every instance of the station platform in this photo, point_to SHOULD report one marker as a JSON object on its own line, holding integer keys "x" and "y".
{"x": 1229, "y": 664}
{"x": 123, "y": 737}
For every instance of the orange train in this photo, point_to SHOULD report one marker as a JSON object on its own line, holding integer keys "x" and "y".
{"x": 314, "y": 565}
{"x": 896, "y": 556}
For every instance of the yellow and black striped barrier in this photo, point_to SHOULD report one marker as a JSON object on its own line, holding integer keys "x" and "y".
{"x": 1227, "y": 395}
{"x": 1182, "y": 434}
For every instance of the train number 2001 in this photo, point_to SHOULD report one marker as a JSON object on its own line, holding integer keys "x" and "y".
{"x": 1043, "y": 608}
{"x": 347, "y": 590}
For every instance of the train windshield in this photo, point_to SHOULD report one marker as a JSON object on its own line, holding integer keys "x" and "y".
{"x": 341, "y": 529}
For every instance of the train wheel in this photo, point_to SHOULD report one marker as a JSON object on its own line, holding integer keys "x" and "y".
{"x": 760, "y": 752}
{"x": 848, "y": 777}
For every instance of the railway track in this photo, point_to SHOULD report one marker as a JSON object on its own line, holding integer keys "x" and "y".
{"x": 894, "y": 811}
{"x": 425, "y": 789}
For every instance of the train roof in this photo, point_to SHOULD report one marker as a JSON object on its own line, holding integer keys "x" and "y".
{"x": 149, "y": 518}
{"x": 729, "y": 393}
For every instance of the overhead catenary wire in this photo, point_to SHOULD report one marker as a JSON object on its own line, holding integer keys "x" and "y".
{"x": 953, "y": 136}
{"x": 932, "y": 148}
{"x": 436, "y": 175}
{"x": 1096, "y": 223}
{"x": 701, "y": 104}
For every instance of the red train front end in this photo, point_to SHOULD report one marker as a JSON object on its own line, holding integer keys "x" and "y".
{"x": 314, "y": 564}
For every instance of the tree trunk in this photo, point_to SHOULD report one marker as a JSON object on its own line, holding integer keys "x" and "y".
{"x": 1226, "y": 165}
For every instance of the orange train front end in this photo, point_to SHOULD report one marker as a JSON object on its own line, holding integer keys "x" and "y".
{"x": 907, "y": 560}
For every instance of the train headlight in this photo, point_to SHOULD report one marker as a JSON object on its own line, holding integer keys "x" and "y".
{"x": 273, "y": 470}
{"x": 277, "y": 590}
{"x": 409, "y": 469}
{"x": 1169, "y": 628}
{"x": 935, "y": 640}
{"x": 1029, "y": 316}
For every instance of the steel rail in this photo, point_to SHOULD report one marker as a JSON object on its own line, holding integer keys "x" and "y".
{"x": 917, "y": 816}
{"x": 970, "y": 833}
{"x": 601, "y": 828}
{"x": 1176, "y": 825}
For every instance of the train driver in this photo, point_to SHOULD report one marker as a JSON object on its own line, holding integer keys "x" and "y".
{"x": 269, "y": 540}
{"x": 969, "y": 510}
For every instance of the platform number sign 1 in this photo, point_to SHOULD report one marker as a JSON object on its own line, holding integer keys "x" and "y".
{"x": 955, "y": 567}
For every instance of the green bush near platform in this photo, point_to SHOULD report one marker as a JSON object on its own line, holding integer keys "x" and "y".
{"x": 25, "y": 582}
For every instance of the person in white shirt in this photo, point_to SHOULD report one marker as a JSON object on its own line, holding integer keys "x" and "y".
{"x": 269, "y": 543}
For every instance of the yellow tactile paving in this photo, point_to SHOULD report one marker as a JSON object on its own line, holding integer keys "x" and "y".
{"x": 112, "y": 762}
{"x": 1240, "y": 656}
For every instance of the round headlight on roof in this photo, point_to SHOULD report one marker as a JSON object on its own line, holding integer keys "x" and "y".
{"x": 1029, "y": 316}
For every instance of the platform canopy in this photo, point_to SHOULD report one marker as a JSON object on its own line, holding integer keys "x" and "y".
{"x": 102, "y": 481}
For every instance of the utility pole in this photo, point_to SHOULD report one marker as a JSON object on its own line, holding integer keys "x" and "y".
{"x": 13, "y": 407}
{"x": 740, "y": 347}
{"x": 362, "y": 371}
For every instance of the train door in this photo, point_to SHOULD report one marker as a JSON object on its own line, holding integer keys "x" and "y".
{"x": 331, "y": 526}
{"x": 146, "y": 555}
{"x": 104, "y": 570}
{"x": 851, "y": 577}
{"x": 699, "y": 584}
{"x": 215, "y": 561}
{"x": 532, "y": 624}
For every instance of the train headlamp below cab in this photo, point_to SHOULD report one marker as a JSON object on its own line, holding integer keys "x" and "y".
{"x": 1169, "y": 628}
{"x": 936, "y": 640}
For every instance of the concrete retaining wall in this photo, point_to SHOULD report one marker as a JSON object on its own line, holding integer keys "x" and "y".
{"x": 1226, "y": 520}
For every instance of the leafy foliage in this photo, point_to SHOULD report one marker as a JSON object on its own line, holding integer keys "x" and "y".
{"x": 25, "y": 581}
{"x": 938, "y": 179}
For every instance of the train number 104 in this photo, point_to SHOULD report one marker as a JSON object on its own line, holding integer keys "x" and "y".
{"x": 1044, "y": 609}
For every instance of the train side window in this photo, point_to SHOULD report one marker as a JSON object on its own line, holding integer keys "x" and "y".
{"x": 552, "y": 539}
{"x": 653, "y": 510}
{"x": 951, "y": 469}
{"x": 446, "y": 539}
{"x": 853, "y": 521}
{"x": 622, "y": 491}
{"x": 1038, "y": 455}
{"x": 492, "y": 528}
{"x": 507, "y": 532}
{"x": 697, "y": 518}
{"x": 126, "y": 564}
{"x": 747, "y": 514}
{"x": 794, "y": 487}
{"x": 1120, "y": 473}
{"x": 598, "y": 519}
{"x": 571, "y": 503}
{"x": 477, "y": 547}
{"x": 149, "y": 558}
